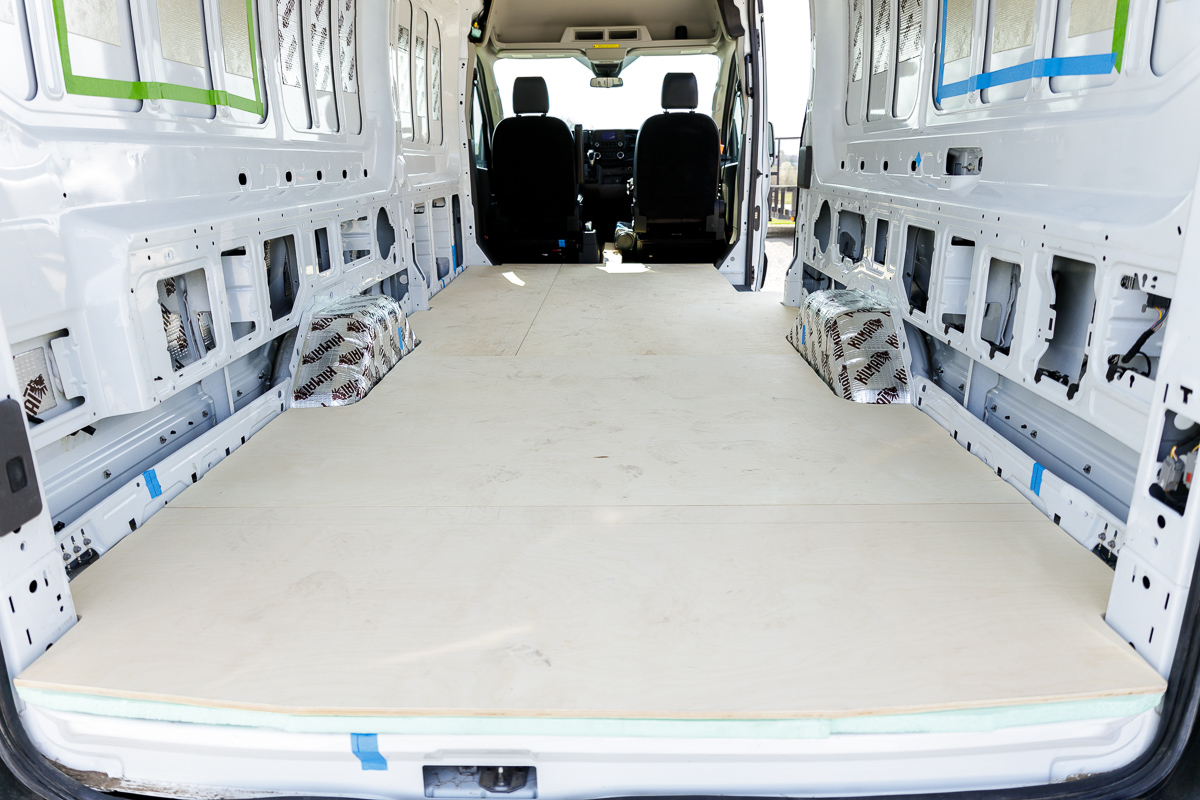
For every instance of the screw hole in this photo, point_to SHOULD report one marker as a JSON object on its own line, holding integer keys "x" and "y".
{"x": 242, "y": 178}
{"x": 1162, "y": 522}
{"x": 287, "y": 176}
{"x": 1146, "y": 581}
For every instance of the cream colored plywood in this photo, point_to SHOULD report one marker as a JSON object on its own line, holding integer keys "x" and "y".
{"x": 605, "y": 430}
{"x": 582, "y": 530}
{"x": 353, "y": 610}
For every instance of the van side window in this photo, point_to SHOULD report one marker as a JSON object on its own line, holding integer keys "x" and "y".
{"x": 733, "y": 131}
{"x": 100, "y": 45}
{"x": 435, "y": 84}
{"x": 402, "y": 67}
{"x": 910, "y": 45}
{"x": 420, "y": 79}
{"x": 348, "y": 65}
{"x": 954, "y": 47}
{"x": 239, "y": 65}
{"x": 17, "y": 78}
{"x": 180, "y": 59}
{"x": 321, "y": 46}
{"x": 291, "y": 64}
{"x": 479, "y": 126}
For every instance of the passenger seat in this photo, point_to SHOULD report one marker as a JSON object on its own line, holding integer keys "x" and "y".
{"x": 676, "y": 168}
{"x": 533, "y": 177}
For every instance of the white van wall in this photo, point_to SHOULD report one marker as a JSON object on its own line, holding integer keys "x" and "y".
{"x": 256, "y": 158}
{"x": 1073, "y": 171}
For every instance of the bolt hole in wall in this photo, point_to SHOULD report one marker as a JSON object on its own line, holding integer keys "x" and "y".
{"x": 822, "y": 227}
{"x": 964, "y": 161}
{"x": 1069, "y": 328}
{"x": 852, "y": 233}
{"x": 1000, "y": 305}
{"x": 321, "y": 239}
{"x": 917, "y": 273}
{"x": 186, "y": 317}
{"x": 955, "y": 283}
{"x": 1133, "y": 337}
{"x": 238, "y": 269}
{"x": 1178, "y": 448}
{"x": 879, "y": 253}
{"x": 356, "y": 239}
{"x": 283, "y": 274}
{"x": 44, "y": 394}
{"x": 385, "y": 233}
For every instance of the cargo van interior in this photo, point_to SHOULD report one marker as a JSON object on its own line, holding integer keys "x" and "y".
{"x": 393, "y": 408}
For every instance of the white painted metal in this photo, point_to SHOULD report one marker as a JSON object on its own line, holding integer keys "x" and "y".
{"x": 1093, "y": 169}
{"x": 253, "y": 760}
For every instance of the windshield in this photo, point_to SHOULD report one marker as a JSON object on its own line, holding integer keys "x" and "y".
{"x": 573, "y": 100}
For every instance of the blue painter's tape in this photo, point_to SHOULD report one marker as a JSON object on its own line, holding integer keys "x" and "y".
{"x": 366, "y": 747}
{"x": 454, "y": 258}
{"x": 802, "y": 327}
{"x": 1035, "y": 480}
{"x": 1097, "y": 64}
{"x": 152, "y": 483}
{"x": 1038, "y": 68}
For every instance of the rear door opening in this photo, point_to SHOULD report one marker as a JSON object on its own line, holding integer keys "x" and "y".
{"x": 533, "y": 491}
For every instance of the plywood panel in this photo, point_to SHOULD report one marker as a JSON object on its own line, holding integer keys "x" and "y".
{"x": 533, "y": 516}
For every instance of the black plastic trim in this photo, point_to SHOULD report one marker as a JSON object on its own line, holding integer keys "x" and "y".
{"x": 732, "y": 19}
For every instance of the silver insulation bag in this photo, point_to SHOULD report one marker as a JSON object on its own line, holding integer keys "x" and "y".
{"x": 849, "y": 339}
{"x": 348, "y": 348}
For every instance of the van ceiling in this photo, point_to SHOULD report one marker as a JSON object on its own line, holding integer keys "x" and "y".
{"x": 546, "y": 20}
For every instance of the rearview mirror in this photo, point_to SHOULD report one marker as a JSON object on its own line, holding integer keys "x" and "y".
{"x": 607, "y": 83}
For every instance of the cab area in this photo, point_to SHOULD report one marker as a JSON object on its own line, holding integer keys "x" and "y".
{"x": 589, "y": 135}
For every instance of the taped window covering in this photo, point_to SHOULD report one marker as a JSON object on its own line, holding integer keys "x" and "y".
{"x": 235, "y": 38}
{"x": 960, "y": 24}
{"x": 881, "y": 37}
{"x": 857, "y": 40}
{"x": 95, "y": 19}
{"x": 403, "y": 75}
{"x": 147, "y": 90}
{"x": 908, "y": 33}
{"x": 346, "y": 37}
{"x": 291, "y": 56}
{"x": 1091, "y": 16}
{"x": 319, "y": 41}
{"x": 420, "y": 80}
{"x": 1012, "y": 24}
{"x": 181, "y": 32}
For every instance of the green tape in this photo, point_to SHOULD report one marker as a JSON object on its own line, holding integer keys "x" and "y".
{"x": 959, "y": 721}
{"x": 1119, "y": 25}
{"x": 153, "y": 90}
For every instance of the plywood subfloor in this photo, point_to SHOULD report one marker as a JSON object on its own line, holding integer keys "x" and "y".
{"x": 598, "y": 495}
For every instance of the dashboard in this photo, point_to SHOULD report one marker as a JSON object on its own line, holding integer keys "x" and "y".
{"x": 608, "y": 156}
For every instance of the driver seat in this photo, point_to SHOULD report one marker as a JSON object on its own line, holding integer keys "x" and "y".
{"x": 676, "y": 168}
{"x": 533, "y": 177}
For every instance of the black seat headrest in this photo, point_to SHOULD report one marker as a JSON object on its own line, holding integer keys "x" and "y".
{"x": 679, "y": 90}
{"x": 530, "y": 96}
